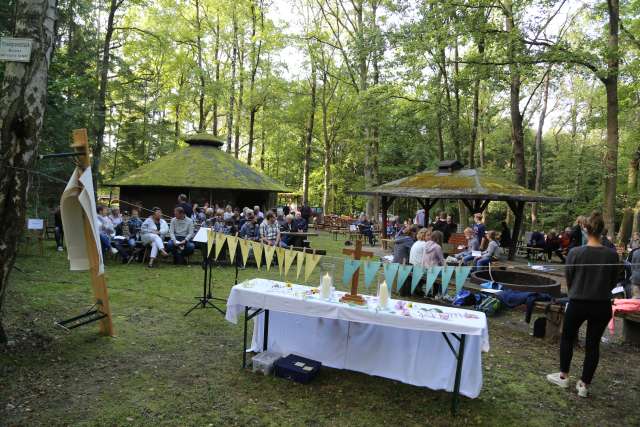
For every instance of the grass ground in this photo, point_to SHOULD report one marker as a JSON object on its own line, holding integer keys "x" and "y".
{"x": 164, "y": 368}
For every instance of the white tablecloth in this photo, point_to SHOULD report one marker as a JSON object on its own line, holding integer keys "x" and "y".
{"x": 383, "y": 343}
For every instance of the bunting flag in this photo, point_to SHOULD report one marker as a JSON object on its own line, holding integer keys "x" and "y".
{"x": 447, "y": 272}
{"x": 432, "y": 275}
{"x": 403, "y": 274}
{"x": 350, "y": 267}
{"x": 210, "y": 239}
{"x": 299, "y": 263}
{"x": 461, "y": 276}
{"x": 310, "y": 263}
{"x": 416, "y": 275}
{"x": 232, "y": 244}
{"x": 220, "y": 239}
{"x": 244, "y": 251}
{"x": 289, "y": 256}
{"x": 257, "y": 253}
{"x": 390, "y": 270}
{"x": 370, "y": 270}
{"x": 268, "y": 255}
{"x": 280, "y": 253}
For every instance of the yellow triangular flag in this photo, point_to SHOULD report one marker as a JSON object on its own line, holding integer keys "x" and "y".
{"x": 232, "y": 244}
{"x": 300, "y": 261}
{"x": 210, "y": 239}
{"x": 280, "y": 252}
{"x": 257, "y": 253}
{"x": 268, "y": 255}
{"x": 244, "y": 250}
{"x": 289, "y": 256}
{"x": 220, "y": 239}
{"x": 310, "y": 263}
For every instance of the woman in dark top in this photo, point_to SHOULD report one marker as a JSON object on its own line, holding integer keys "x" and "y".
{"x": 591, "y": 273}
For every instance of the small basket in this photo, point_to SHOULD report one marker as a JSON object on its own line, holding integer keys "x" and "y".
{"x": 263, "y": 362}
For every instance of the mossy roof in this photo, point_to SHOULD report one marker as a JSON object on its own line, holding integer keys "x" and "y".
{"x": 200, "y": 165}
{"x": 461, "y": 184}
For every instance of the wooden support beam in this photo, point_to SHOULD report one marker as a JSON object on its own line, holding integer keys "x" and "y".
{"x": 517, "y": 207}
{"x": 385, "y": 203}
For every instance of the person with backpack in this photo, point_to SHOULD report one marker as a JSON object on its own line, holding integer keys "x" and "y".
{"x": 591, "y": 273}
{"x": 492, "y": 252}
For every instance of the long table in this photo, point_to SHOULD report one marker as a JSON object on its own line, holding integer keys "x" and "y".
{"x": 409, "y": 342}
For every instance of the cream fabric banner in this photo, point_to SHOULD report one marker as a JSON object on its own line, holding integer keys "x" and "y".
{"x": 220, "y": 239}
{"x": 268, "y": 255}
{"x": 310, "y": 263}
{"x": 244, "y": 250}
{"x": 280, "y": 252}
{"x": 232, "y": 244}
{"x": 211, "y": 236}
{"x": 257, "y": 253}
{"x": 289, "y": 256}
{"x": 300, "y": 262}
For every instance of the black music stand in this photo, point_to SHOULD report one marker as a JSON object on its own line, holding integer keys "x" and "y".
{"x": 204, "y": 301}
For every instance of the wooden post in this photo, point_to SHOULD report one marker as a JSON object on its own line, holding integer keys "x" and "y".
{"x": 517, "y": 207}
{"x": 98, "y": 281}
{"x": 353, "y": 297}
{"x": 386, "y": 204}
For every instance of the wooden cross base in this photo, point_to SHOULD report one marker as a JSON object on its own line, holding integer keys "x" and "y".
{"x": 353, "y": 299}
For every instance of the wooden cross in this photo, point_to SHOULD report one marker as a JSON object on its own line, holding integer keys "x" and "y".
{"x": 353, "y": 297}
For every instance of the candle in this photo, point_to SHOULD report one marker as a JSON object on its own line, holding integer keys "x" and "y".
{"x": 325, "y": 288}
{"x": 383, "y": 295}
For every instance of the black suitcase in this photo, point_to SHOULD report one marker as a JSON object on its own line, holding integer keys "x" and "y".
{"x": 297, "y": 368}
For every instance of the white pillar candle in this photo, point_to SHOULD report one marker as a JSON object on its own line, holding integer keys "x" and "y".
{"x": 325, "y": 288}
{"x": 383, "y": 295}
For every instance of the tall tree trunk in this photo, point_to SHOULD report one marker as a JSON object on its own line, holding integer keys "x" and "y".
{"x": 23, "y": 99}
{"x": 232, "y": 83}
{"x": 236, "y": 143}
{"x": 201, "y": 113}
{"x": 543, "y": 114}
{"x": 256, "y": 49}
{"x": 611, "y": 88}
{"x": 476, "y": 106}
{"x": 517, "y": 129}
{"x": 309, "y": 134}
{"x": 216, "y": 54}
{"x": 102, "y": 91}
{"x": 263, "y": 137}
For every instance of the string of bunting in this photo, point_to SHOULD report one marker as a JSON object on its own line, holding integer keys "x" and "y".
{"x": 394, "y": 273}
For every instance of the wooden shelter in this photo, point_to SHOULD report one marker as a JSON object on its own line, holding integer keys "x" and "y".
{"x": 451, "y": 181}
{"x": 204, "y": 173}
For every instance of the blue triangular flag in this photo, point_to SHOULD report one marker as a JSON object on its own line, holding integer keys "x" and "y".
{"x": 350, "y": 267}
{"x": 432, "y": 275}
{"x": 447, "y": 272}
{"x": 370, "y": 270}
{"x": 390, "y": 270}
{"x": 416, "y": 275}
{"x": 461, "y": 275}
{"x": 403, "y": 273}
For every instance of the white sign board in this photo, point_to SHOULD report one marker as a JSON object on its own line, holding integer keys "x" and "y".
{"x": 201, "y": 235}
{"x": 15, "y": 49}
{"x": 35, "y": 224}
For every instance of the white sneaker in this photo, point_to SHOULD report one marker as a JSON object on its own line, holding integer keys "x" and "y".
{"x": 583, "y": 390}
{"x": 114, "y": 251}
{"x": 60, "y": 249}
{"x": 558, "y": 380}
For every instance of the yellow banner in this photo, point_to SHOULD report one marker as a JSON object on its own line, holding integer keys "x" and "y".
{"x": 289, "y": 256}
{"x": 210, "y": 239}
{"x": 280, "y": 252}
{"x": 232, "y": 244}
{"x": 268, "y": 255}
{"x": 220, "y": 239}
{"x": 300, "y": 262}
{"x": 244, "y": 250}
{"x": 310, "y": 263}
{"x": 257, "y": 253}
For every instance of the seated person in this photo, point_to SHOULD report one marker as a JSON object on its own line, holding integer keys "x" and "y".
{"x": 634, "y": 243}
{"x": 116, "y": 220}
{"x": 473, "y": 245}
{"x": 218, "y": 225}
{"x": 106, "y": 229}
{"x": 366, "y": 229}
{"x": 230, "y": 227}
{"x": 133, "y": 225}
{"x": 300, "y": 224}
{"x": 416, "y": 253}
{"x": 180, "y": 235}
{"x": 152, "y": 233}
{"x": 403, "y": 244}
{"x": 210, "y": 218}
{"x": 249, "y": 229}
{"x": 492, "y": 253}
{"x": 288, "y": 227}
{"x": 552, "y": 246}
{"x": 270, "y": 232}
{"x": 536, "y": 241}
{"x": 433, "y": 256}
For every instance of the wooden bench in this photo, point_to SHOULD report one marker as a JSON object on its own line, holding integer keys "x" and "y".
{"x": 309, "y": 250}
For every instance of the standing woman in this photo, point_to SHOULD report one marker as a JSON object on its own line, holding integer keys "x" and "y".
{"x": 591, "y": 273}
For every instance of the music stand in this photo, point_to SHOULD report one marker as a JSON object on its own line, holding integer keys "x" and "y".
{"x": 204, "y": 301}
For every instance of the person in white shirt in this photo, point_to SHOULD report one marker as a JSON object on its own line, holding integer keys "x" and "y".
{"x": 152, "y": 233}
{"x": 181, "y": 231}
{"x": 116, "y": 220}
{"x": 106, "y": 230}
{"x": 417, "y": 249}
